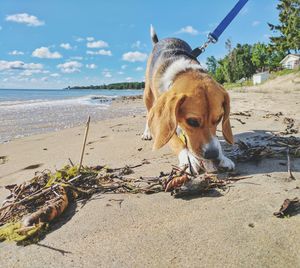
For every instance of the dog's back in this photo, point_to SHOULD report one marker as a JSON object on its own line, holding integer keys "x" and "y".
{"x": 165, "y": 52}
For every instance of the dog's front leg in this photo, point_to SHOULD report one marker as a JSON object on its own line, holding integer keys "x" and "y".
{"x": 224, "y": 162}
{"x": 147, "y": 134}
{"x": 185, "y": 156}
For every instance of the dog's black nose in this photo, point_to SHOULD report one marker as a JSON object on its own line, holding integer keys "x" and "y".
{"x": 211, "y": 154}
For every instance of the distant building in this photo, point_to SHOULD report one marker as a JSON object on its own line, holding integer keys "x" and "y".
{"x": 291, "y": 61}
{"x": 260, "y": 77}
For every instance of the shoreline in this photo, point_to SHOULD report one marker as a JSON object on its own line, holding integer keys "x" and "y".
{"x": 54, "y": 118}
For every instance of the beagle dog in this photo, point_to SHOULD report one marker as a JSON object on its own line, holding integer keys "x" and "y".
{"x": 181, "y": 97}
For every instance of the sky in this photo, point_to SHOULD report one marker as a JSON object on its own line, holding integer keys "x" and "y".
{"x": 52, "y": 44}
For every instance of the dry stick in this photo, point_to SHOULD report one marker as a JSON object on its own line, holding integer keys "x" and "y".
{"x": 289, "y": 164}
{"x": 84, "y": 141}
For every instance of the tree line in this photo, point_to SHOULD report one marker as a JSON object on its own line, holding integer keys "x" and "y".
{"x": 124, "y": 85}
{"x": 245, "y": 60}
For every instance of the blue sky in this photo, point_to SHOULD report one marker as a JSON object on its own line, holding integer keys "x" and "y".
{"x": 53, "y": 44}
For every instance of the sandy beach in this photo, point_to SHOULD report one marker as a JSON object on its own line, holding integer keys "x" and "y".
{"x": 231, "y": 228}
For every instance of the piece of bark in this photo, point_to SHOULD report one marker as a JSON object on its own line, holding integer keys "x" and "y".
{"x": 288, "y": 208}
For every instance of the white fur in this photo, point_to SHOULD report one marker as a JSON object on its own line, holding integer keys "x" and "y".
{"x": 147, "y": 134}
{"x": 186, "y": 157}
{"x": 178, "y": 66}
{"x": 225, "y": 162}
{"x": 152, "y": 31}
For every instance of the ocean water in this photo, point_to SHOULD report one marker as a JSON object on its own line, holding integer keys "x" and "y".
{"x": 28, "y": 112}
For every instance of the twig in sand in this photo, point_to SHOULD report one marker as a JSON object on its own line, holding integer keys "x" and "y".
{"x": 71, "y": 162}
{"x": 84, "y": 141}
{"x": 291, "y": 176}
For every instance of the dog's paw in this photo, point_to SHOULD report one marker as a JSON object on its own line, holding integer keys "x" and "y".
{"x": 226, "y": 163}
{"x": 146, "y": 135}
{"x": 186, "y": 158}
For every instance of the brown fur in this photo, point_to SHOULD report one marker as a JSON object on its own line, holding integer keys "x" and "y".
{"x": 193, "y": 94}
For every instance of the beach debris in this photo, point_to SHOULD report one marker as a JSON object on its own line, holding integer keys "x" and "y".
{"x": 258, "y": 147}
{"x": 289, "y": 170}
{"x": 3, "y": 159}
{"x": 269, "y": 115}
{"x": 33, "y": 206}
{"x": 245, "y": 113}
{"x": 84, "y": 141}
{"x": 290, "y": 207}
{"x": 239, "y": 120}
{"x": 290, "y": 128}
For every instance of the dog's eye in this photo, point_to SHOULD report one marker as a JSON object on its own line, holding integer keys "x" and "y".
{"x": 193, "y": 122}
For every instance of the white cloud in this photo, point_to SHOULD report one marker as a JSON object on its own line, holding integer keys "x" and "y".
{"x": 66, "y": 46}
{"x": 106, "y": 74}
{"x": 45, "y": 53}
{"x": 97, "y": 44}
{"x": 70, "y": 67}
{"x": 124, "y": 66}
{"x": 91, "y": 66}
{"x": 120, "y": 72}
{"x": 1, "y": 28}
{"x": 31, "y": 72}
{"x": 255, "y": 23}
{"x": 25, "y": 18}
{"x": 90, "y": 38}
{"x": 19, "y": 65}
{"x": 128, "y": 79}
{"x": 79, "y": 39}
{"x": 134, "y": 56}
{"x": 16, "y": 53}
{"x": 139, "y": 69}
{"x": 102, "y": 52}
{"x": 189, "y": 30}
{"x": 55, "y": 75}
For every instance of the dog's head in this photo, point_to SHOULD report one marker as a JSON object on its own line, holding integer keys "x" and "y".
{"x": 197, "y": 105}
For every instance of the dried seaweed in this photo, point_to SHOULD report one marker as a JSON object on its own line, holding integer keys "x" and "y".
{"x": 260, "y": 147}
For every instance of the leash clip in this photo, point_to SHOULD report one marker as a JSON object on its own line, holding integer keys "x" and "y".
{"x": 199, "y": 50}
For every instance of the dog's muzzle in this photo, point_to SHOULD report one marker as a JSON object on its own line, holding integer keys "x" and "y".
{"x": 211, "y": 150}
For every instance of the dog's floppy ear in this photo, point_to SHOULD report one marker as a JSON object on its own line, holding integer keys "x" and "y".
{"x": 162, "y": 118}
{"x": 226, "y": 127}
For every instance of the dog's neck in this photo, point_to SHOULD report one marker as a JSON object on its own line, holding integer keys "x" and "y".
{"x": 175, "y": 68}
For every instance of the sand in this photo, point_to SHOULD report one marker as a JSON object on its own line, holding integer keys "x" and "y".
{"x": 234, "y": 228}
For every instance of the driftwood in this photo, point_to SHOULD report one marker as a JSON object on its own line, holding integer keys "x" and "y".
{"x": 289, "y": 208}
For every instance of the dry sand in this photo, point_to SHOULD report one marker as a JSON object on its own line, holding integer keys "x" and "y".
{"x": 235, "y": 228}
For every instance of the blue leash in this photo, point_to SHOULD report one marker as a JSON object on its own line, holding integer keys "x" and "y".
{"x": 214, "y": 36}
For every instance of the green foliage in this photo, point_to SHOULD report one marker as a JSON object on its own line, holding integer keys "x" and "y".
{"x": 260, "y": 56}
{"x": 245, "y": 60}
{"x": 211, "y": 63}
{"x": 288, "y": 27}
{"x": 124, "y": 85}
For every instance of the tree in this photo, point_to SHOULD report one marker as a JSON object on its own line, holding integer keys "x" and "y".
{"x": 211, "y": 63}
{"x": 260, "y": 55}
{"x": 288, "y": 28}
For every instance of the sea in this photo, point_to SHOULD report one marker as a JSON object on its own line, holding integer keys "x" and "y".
{"x": 25, "y": 112}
